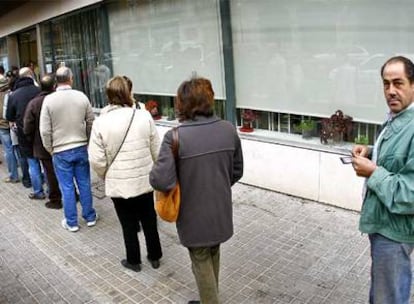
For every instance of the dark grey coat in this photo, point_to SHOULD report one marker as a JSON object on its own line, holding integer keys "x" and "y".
{"x": 210, "y": 162}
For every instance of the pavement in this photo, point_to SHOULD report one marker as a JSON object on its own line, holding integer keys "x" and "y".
{"x": 284, "y": 250}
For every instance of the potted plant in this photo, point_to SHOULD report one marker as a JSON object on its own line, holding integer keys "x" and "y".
{"x": 248, "y": 116}
{"x": 171, "y": 114}
{"x": 152, "y": 107}
{"x": 337, "y": 128}
{"x": 306, "y": 127}
{"x": 361, "y": 140}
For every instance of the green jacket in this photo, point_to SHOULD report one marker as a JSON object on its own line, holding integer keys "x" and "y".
{"x": 388, "y": 207}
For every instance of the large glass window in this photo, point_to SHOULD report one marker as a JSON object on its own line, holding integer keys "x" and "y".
{"x": 314, "y": 57}
{"x": 158, "y": 44}
{"x": 80, "y": 42}
{"x": 3, "y": 54}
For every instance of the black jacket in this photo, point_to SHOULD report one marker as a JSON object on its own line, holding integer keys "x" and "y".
{"x": 31, "y": 126}
{"x": 25, "y": 90}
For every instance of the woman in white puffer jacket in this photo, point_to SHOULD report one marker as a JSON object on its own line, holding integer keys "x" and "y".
{"x": 123, "y": 146}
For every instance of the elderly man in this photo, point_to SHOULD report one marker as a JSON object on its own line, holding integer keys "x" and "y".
{"x": 24, "y": 91}
{"x": 65, "y": 125}
{"x": 31, "y": 129}
{"x": 387, "y": 214}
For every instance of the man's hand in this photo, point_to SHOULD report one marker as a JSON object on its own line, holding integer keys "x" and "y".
{"x": 360, "y": 150}
{"x": 362, "y": 165}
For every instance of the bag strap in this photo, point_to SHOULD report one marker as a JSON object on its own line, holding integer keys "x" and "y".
{"x": 174, "y": 146}
{"x": 123, "y": 140}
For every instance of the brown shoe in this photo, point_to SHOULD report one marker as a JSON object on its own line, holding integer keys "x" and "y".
{"x": 53, "y": 205}
{"x": 9, "y": 180}
{"x": 36, "y": 197}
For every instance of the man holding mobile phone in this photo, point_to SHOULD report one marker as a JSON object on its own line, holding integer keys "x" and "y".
{"x": 387, "y": 213}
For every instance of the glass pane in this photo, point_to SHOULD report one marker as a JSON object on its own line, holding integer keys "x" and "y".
{"x": 159, "y": 44}
{"x": 314, "y": 57}
{"x": 80, "y": 42}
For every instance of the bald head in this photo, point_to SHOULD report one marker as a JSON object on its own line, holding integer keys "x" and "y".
{"x": 25, "y": 72}
{"x": 63, "y": 75}
{"x": 47, "y": 83}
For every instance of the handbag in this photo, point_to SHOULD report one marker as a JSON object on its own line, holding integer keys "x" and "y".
{"x": 167, "y": 204}
{"x": 120, "y": 146}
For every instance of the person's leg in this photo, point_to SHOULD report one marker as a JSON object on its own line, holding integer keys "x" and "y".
{"x": 9, "y": 155}
{"x": 83, "y": 181}
{"x": 390, "y": 271}
{"x": 215, "y": 257}
{"x": 203, "y": 270}
{"x": 55, "y": 196}
{"x": 35, "y": 171}
{"x": 148, "y": 219}
{"x": 24, "y": 166}
{"x": 127, "y": 212}
{"x": 64, "y": 170}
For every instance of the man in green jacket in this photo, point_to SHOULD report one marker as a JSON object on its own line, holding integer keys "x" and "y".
{"x": 387, "y": 214}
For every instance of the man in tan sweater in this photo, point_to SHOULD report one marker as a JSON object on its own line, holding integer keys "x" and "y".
{"x": 65, "y": 125}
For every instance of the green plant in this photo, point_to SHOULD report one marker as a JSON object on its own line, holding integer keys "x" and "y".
{"x": 306, "y": 125}
{"x": 361, "y": 140}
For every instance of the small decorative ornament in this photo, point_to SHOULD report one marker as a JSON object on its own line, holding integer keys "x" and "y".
{"x": 152, "y": 107}
{"x": 248, "y": 117}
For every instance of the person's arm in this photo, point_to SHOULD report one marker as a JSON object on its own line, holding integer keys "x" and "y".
{"x": 11, "y": 109}
{"x": 154, "y": 139}
{"x": 29, "y": 121}
{"x": 96, "y": 152}
{"x": 237, "y": 162}
{"x": 163, "y": 174}
{"x": 89, "y": 118}
{"x": 395, "y": 190}
{"x": 45, "y": 128}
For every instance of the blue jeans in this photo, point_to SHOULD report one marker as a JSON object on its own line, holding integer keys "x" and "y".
{"x": 36, "y": 176}
{"x": 9, "y": 154}
{"x": 70, "y": 165}
{"x": 390, "y": 271}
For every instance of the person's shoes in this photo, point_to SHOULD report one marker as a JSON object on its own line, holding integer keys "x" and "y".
{"x": 53, "y": 205}
{"x": 93, "y": 223}
{"x": 154, "y": 263}
{"x": 133, "y": 267}
{"x": 37, "y": 197}
{"x": 9, "y": 180}
{"x": 70, "y": 228}
{"x": 27, "y": 185}
{"x": 193, "y": 302}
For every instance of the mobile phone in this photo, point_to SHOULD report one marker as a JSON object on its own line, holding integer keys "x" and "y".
{"x": 346, "y": 159}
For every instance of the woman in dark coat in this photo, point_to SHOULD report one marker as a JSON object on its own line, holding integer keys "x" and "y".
{"x": 210, "y": 161}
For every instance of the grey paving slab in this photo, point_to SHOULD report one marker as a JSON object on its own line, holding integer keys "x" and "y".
{"x": 284, "y": 250}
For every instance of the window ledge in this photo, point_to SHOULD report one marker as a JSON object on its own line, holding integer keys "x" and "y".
{"x": 296, "y": 140}
{"x": 279, "y": 138}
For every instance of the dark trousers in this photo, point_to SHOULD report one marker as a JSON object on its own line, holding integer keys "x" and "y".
{"x": 130, "y": 212}
{"x": 205, "y": 263}
{"x": 54, "y": 192}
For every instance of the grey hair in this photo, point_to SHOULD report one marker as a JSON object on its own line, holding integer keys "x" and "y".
{"x": 63, "y": 74}
{"x": 25, "y": 72}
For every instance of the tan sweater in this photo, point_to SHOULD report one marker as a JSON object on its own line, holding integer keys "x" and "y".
{"x": 65, "y": 120}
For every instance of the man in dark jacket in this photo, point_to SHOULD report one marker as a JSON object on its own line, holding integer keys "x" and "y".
{"x": 25, "y": 90}
{"x": 31, "y": 129}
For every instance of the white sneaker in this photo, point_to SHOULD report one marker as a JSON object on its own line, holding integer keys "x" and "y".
{"x": 93, "y": 223}
{"x": 70, "y": 228}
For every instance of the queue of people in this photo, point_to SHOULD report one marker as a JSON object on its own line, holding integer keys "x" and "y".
{"x": 124, "y": 149}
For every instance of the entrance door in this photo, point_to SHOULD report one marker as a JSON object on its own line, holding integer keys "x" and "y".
{"x": 28, "y": 50}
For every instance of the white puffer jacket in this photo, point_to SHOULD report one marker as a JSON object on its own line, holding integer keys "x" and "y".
{"x": 128, "y": 175}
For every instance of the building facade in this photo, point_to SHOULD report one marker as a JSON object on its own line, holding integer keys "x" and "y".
{"x": 288, "y": 60}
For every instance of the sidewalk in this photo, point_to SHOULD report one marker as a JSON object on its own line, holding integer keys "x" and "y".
{"x": 284, "y": 250}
